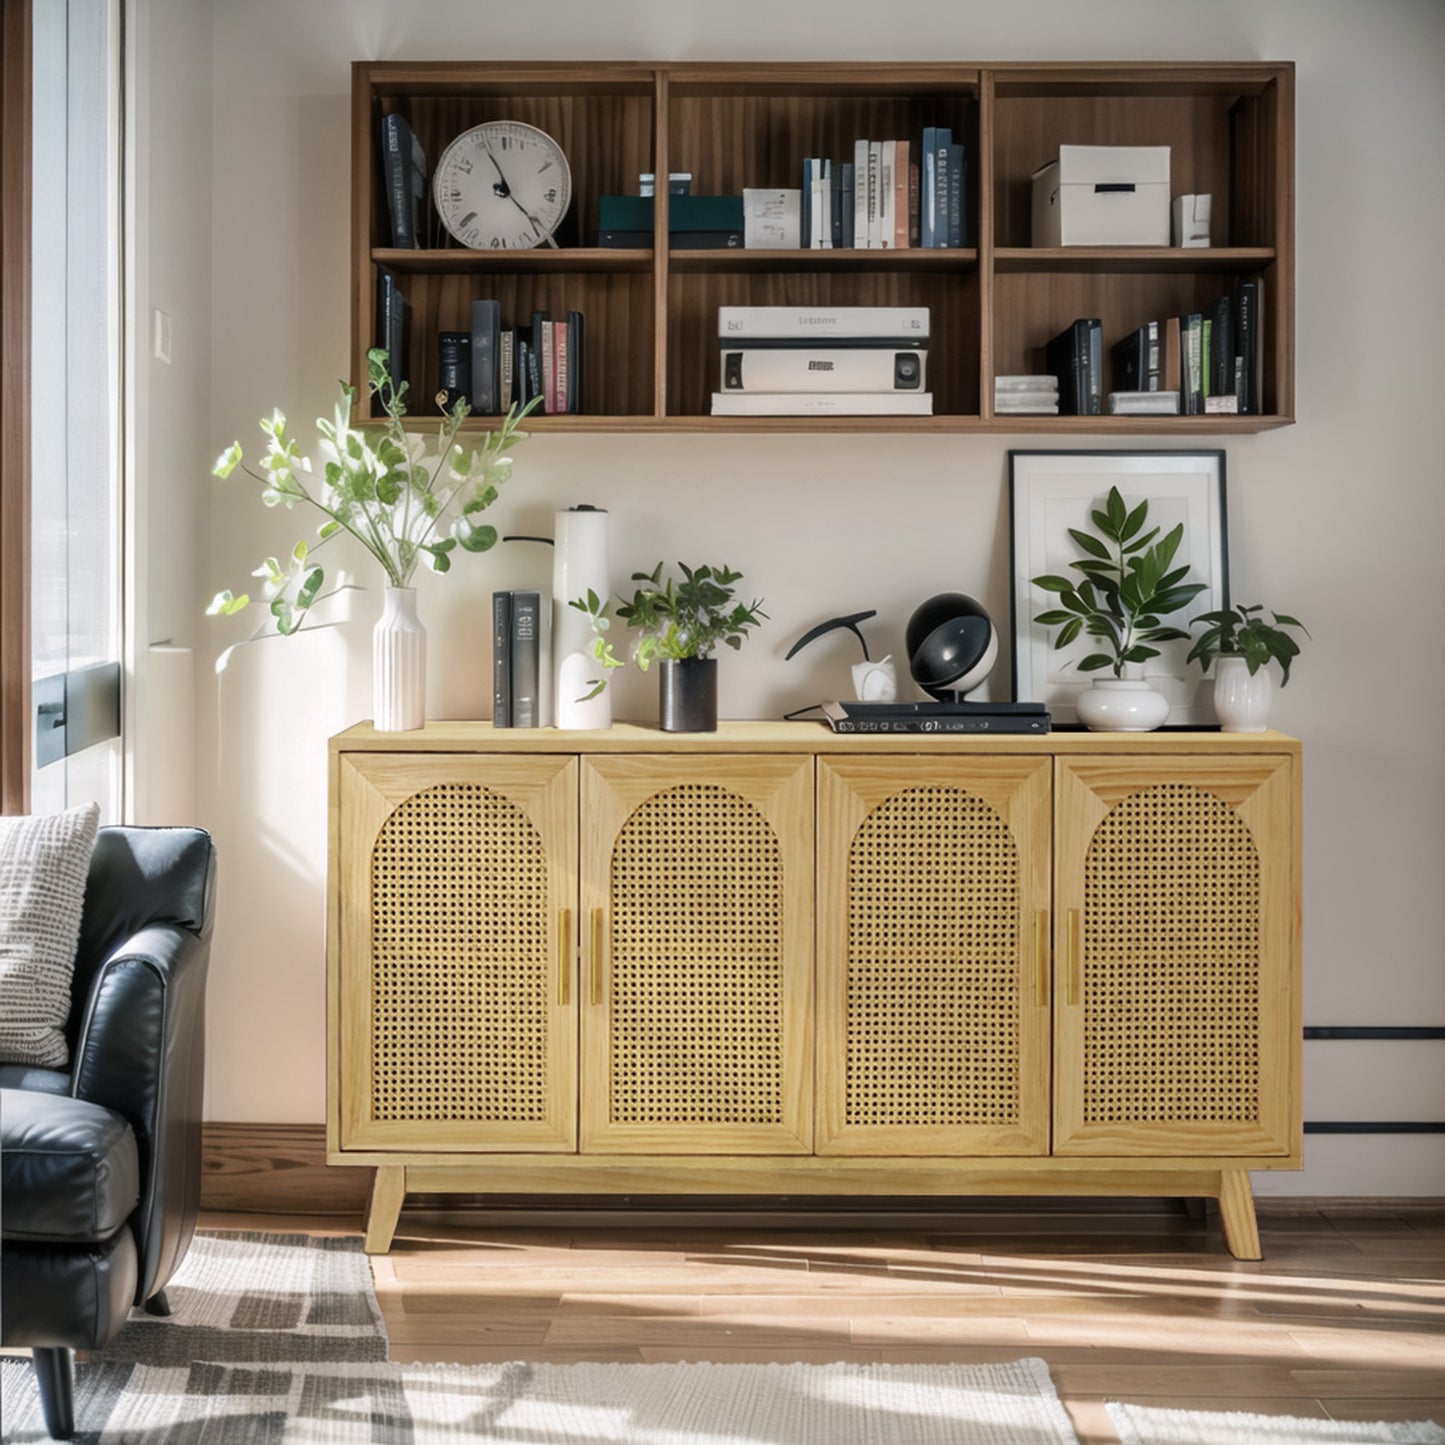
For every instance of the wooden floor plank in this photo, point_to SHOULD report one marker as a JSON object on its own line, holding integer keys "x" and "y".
{"x": 1343, "y": 1318}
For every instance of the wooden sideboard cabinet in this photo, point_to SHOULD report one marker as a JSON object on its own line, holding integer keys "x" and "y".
{"x": 772, "y": 960}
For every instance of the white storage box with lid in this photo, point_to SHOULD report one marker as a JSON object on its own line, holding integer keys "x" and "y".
{"x": 1103, "y": 196}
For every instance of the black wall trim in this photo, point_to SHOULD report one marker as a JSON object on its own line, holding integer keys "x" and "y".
{"x": 1374, "y": 1031}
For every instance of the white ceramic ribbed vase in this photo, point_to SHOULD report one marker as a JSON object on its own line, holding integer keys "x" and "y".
{"x": 1241, "y": 700}
{"x": 398, "y": 665}
{"x": 1122, "y": 704}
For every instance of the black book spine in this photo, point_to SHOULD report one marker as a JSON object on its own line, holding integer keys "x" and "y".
{"x": 534, "y": 358}
{"x": 396, "y": 164}
{"x": 1246, "y": 316}
{"x": 502, "y": 659}
{"x": 1094, "y": 367}
{"x": 1221, "y": 348}
{"x": 486, "y": 331}
{"x": 526, "y": 658}
{"x": 1126, "y": 362}
{"x": 454, "y": 366}
{"x": 574, "y": 361}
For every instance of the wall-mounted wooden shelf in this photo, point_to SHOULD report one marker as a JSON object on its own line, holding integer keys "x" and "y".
{"x": 651, "y": 333}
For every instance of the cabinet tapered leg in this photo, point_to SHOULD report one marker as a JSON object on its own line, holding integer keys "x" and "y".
{"x": 1236, "y": 1213}
{"x": 388, "y": 1191}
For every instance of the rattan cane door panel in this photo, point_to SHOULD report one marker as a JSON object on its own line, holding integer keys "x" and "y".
{"x": 933, "y": 983}
{"x": 1178, "y": 975}
{"x": 457, "y": 1023}
{"x": 697, "y": 892}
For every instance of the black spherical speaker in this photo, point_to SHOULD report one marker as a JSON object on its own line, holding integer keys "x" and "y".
{"x": 952, "y": 645}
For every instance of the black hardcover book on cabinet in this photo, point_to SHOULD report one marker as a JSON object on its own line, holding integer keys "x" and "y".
{"x": 1075, "y": 356}
{"x": 403, "y": 166}
{"x": 454, "y": 367}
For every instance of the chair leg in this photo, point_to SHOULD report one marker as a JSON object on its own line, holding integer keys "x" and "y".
{"x": 54, "y": 1373}
{"x": 158, "y": 1305}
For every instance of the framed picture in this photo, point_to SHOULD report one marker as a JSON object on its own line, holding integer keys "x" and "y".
{"x": 1050, "y": 492}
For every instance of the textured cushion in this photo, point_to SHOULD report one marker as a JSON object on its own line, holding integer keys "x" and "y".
{"x": 43, "y": 865}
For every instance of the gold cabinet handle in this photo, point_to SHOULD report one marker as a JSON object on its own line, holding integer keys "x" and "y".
{"x": 564, "y": 958}
{"x": 1041, "y": 957}
{"x": 1076, "y": 949}
{"x": 597, "y": 937}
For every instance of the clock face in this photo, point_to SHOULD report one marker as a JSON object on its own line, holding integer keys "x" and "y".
{"x": 502, "y": 186}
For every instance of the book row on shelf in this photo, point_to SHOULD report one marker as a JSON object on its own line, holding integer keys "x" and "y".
{"x": 1202, "y": 363}
{"x": 521, "y": 659}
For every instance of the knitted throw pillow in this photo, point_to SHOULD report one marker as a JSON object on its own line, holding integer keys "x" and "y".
{"x": 44, "y": 861}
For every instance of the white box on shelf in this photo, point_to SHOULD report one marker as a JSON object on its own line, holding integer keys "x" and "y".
{"x": 1103, "y": 196}
{"x": 771, "y": 219}
{"x": 1191, "y": 220}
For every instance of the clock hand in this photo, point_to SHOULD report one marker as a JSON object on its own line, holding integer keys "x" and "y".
{"x": 501, "y": 188}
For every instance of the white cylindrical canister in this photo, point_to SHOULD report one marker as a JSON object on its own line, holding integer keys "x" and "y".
{"x": 579, "y": 565}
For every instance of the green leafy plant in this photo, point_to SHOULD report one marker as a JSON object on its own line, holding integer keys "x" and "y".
{"x": 1127, "y": 584}
{"x": 376, "y": 484}
{"x": 1242, "y": 632}
{"x": 678, "y": 619}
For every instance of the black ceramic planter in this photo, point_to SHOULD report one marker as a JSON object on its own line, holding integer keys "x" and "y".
{"x": 687, "y": 695}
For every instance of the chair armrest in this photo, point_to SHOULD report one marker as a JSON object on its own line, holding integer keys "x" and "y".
{"x": 141, "y": 1052}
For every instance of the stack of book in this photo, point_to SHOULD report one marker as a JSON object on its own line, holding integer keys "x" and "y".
{"x": 496, "y": 367}
{"x": 694, "y": 223}
{"x": 1026, "y": 396}
{"x": 521, "y": 659}
{"x": 833, "y": 361}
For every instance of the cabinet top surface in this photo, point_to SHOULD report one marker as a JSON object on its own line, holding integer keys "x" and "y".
{"x": 792, "y": 737}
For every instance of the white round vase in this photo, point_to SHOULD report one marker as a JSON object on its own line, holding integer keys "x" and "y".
{"x": 1241, "y": 701}
{"x": 398, "y": 665}
{"x": 1122, "y": 704}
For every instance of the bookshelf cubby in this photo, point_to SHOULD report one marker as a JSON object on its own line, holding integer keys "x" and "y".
{"x": 651, "y": 337}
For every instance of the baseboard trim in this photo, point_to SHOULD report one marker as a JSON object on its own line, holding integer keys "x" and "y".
{"x": 282, "y": 1169}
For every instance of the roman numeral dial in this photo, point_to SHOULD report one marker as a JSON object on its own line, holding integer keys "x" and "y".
{"x": 502, "y": 186}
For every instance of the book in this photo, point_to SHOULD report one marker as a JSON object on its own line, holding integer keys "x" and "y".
{"x": 574, "y": 361}
{"x": 1221, "y": 347}
{"x": 860, "y": 194}
{"x": 956, "y": 179}
{"x": 1040, "y": 382}
{"x": 821, "y": 234}
{"x": 822, "y": 403}
{"x": 1191, "y": 363}
{"x": 506, "y": 370}
{"x": 1027, "y": 404}
{"x": 676, "y": 240}
{"x": 560, "y": 367}
{"x": 887, "y": 194}
{"x": 454, "y": 367}
{"x": 791, "y": 368}
{"x": 848, "y": 206}
{"x": 1136, "y": 359}
{"x": 485, "y": 342}
{"x": 1169, "y": 365}
{"x": 536, "y": 359}
{"x": 1246, "y": 316}
{"x": 526, "y": 659}
{"x": 1070, "y": 357}
{"x": 852, "y": 717}
{"x": 835, "y": 201}
{"x": 393, "y": 325}
{"x": 549, "y": 368}
{"x": 912, "y": 202}
{"x": 942, "y": 147}
{"x": 900, "y": 196}
{"x": 684, "y": 213}
{"x": 875, "y": 194}
{"x": 405, "y": 174}
{"x": 502, "y": 659}
{"x": 927, "y": 162}
{"x": 1143, "y": 403}
{"x": 896, "y": 324}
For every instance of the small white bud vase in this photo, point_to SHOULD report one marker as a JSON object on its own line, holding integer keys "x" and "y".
{"x": 1242, "y": 701}
{"x": 398, "y": 665}
{"x": 1122, "y": 704}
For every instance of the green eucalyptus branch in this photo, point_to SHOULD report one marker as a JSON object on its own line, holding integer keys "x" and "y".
{"x": 1128, "y": 583}
{"x": 374, "y": 485}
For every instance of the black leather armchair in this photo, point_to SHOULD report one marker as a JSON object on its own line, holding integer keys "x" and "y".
{"x": 100, "y": 1167}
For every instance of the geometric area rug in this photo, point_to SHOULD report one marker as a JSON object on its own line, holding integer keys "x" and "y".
{"x": 278, "y": 1340}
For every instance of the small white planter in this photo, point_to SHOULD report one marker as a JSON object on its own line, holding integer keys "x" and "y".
{"x": 1242, "y": 701}
{"x": 398, "y": 665}
{"x": 1122, "y": 704}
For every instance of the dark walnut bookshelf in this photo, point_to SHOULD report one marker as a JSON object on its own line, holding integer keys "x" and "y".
{"x": 651, "y": 354}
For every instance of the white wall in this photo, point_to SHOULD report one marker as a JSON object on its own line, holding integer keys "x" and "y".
{"x": 1337, "y": 519}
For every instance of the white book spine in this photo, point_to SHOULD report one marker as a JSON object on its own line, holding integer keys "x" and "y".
{"x": 860, "y": 194}
{"x": 875, "y": 194}
{"x": 822, "y": 403}
{"x": 887, "y": 207}
{"x": 740, "y": 323}
{"x": 833, "y": 369}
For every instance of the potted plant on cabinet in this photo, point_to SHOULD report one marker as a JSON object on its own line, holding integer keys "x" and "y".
{"x": 1240, "y": 644}
{"x": 1127, "y": 583}
{"x": 681, "y": 623}
{"x": 379, "y": 486}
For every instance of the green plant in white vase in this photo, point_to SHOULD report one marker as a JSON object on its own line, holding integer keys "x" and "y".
{"x": 682, "y": 622}
{"x": 1241, "y": 644}
{"x": 389, "y": 490}
{"x": 1127, "y": 584}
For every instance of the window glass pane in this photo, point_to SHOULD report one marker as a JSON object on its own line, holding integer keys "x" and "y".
{"x": 75, "y": 392}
